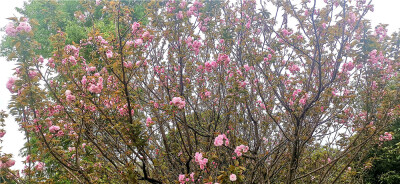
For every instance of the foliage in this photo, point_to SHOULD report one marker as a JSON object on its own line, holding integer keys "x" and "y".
{"x": 385, "y": 160}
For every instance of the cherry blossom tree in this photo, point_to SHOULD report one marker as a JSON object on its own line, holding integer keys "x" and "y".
{"x": 207, "y": 92}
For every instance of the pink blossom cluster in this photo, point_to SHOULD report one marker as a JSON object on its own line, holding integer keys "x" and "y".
{"x": 352, "y": 18}
{"x": 11, "y": 30}
{"x": 10, "y": 84}
{"x": 386, "y": 137}
{"x": 195, "y": 45}
{"x": 99, "y": 39}
{"x": 294, "y": 68}
{"x": 232, "y": 177}
{"x": 24, "y": 26}
{"x": 182, "y": 178}
{"x": 348, "y": 66}
{"x": 380, "y": 32}
{"x": 128, "y": 64}
{"x": 149, "y": 122}
{"x": 261, "y": 104}
{"x": 241, "y": 149}
{"x": 219, "y": 140}
{"x": 135, "y": 27}
{"x": 8, "y": 163}
{"x": 69, "y": 96}
{"x": 207, "y": 94}
{"x": 198, "y": 158}
{"x": 32, "y": 73}
{"x": 178, "y": 101}
{"x": 96, "y": 88}
{"x": 39, "y": 166}
{"x": 303, "y": 100}
{"x": 203, "y": 24}
{"x": 374, "y": 58}
{"x": 286, "y": 32}
{"x": 51, "y": 63}
{"x": 138, "y": 42}
{"x": 54, "y": 129}
{"x": 71, "y": 50}
{"x": 193, "y": 10}
{"x": 209, "y": 65}
{"x": 295, "y": 93}
{"x": 224, "y": 58}
{"x": 109, "y": 54}
{"x": 179, "y": 15}
{"x": 247, "y": 67}
{"x": 40, "y": 59}
{"x": 2, "y": 133}
{"x": 90, "y": 69}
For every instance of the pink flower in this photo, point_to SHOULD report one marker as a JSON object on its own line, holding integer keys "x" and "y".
{"x": 10, "y": 84}
{"x": 224, "y": 58}
{"x": 10, "y": 29}
{"x": 60, "y": 133}
{"x": 189, "y": 41}
{"x": 128, "y": 64}
{"x": 179, "y": 15}
{"x": 69, "y": 96}
{"x": 219, "y": 140}
{"x": 386, "y": 137}
{"x": 295, "y": 93}
{"x": 138, "y": 42}
{"x": 177, "y": 101}
{"x": 135, "y": 26}
{"x": 324, "y": 25}
{"x": 149, "y": 122}
{"x": 241, "y": 149}
{"x": 207, "y": 94}
{"x": 10, "y": 163}
{"x": 129, "y": 43}
{"x": 53, "y": 129}
{"x": 294, "y": 69}
{"x": 32, "y": 73}
{"x": 84, "y": 80}
{"x": 109, "y": 54}
{"x": 72, "y": 60}
{"x": 182, "y": 4}
{"x": 303, "y": 101}
{"x": 192, "y": 176}
{"x": 196, "y": 47}
{"x": 2, "y": 133}
{"x": 96, "y": 88}
{"x": 40, "y": 166}
{"x": 98, "y": 2}
{"x": 200, "y": 160}
{"x": 146, "y": 34}
{"x": 246, "y": 67}
{"x": 24, "y": 26}
{"x": 181, "y": 178}
{"x": 90, "y": 69}
{"x": 232, "y": 177}
{"x": 41, "y": 59}
{"x": 285, "y": 32}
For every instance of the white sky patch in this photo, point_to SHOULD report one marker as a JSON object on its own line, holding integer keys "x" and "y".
{"x": 13, "y": 141}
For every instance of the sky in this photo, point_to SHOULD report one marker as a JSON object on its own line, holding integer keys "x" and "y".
{"x": 386, "y": 11}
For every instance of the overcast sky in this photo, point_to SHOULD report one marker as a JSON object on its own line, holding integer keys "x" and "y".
{"x": 386, "y": 11}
